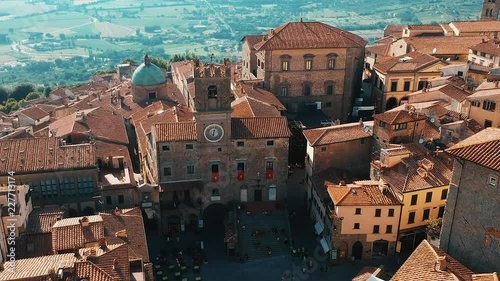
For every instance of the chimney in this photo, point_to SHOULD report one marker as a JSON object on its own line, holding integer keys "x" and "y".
{"x": 103, "y": 244}
{"x": 84, "y": 221}
{"x": 301, "y": 20}
{"x": 443, "y": 263}
{"x": 117, "y": 211}
{"x": 93, "y": 252}
{"x": 342, "y": 183}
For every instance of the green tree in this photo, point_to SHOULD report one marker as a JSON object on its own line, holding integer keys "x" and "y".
{"x": 11, "y": 105}
{"x": 21, "y": 91}
{"x": 433, "y": 227}
{"x": 32, "y": 96}
{"x": 4, "y": 94}
{"x": 47, "y": 91}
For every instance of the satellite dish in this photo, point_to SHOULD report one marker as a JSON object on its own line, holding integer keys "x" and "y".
{"x": 434, "y": 51}
{"x": 432, "y": 120}
{"x": 421, "y": 141}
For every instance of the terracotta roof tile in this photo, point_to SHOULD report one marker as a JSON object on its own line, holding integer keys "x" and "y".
{"x": 41, "y": 220}
{"x": 412, "y": 173}
{"x": 410, "y": 62}
{"x": 423, "y": 264}
{"x": 36, "y": 268}
{"x": 439, "y": 45}
{"x": 114, "y": 261}
{"x": 330, "y": 176}
{"x": 133, "y": 227}
{"x": 476, "y": 26}
{"x": 391, "y": 29}
{"x": 335, "y": 134}
{"x": 365, "y": 273}
{"x": 34, "y": 113}
{"x": 253, "y": 39}
{"x": 491, "y": 47}
{"x": 87, "y": 269}
{"x": 307, "y": 35}
{"x": 44, "y": 154}
{"x": 397, "y": 117}
{"x": 70, "y": 233}
{"x": 379, "y": 49}
{"x": 486, "y": 277}
{"x": 182, "y": 131}
{"x": 482, "y": 148}
{"x": 149, "y": 272}
{"x": 259, "y": 127}
{"x": 362, "y": 194}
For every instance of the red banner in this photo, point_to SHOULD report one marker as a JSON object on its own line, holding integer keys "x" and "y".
{"x": 241, "y": 175}
{"x": 215, "y": 177}
{"x": 269, "y": 174}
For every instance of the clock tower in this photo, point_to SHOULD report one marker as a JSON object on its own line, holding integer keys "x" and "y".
{"x": 212, "y": 105}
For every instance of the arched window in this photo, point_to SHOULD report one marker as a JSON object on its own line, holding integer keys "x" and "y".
{"x": 331, "y": 59}
{"x": 212, "y": 92}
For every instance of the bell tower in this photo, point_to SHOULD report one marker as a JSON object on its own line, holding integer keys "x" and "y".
{"x": 490, "y": 10}
{"x": 212, "y": 102}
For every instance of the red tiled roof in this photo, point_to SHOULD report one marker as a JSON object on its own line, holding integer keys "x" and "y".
{"x": 410, "y": 175}
{"x": 423, "y": 264}
{"x": 378, "y": 49}
{"x": 476, "y": 26}
{"x": 482, "y": 148}
{"x": 397, "y": 117}
{"x": 114, "y": 261}
{"x": 410, "y": 62}
{"x": 70, "y": 233}
{"x": 44, "y": 154}
{"x": 362, "y": 194}
{"x": 396, "y": 30}
{"x": 34, "y": 113}
{"x": 41, "y": 220}
{"x": 365, "y": 273}
{"x": 253, "y": 39}
{"x": 309, "y": 35}
{"x": 335, "y": 134}
{"x": 181, "y": 131}
{"x": 259, "y": 127}
{"x": 133, "y": 226}
{"x": 35, "y": 269}
{"x": 87, "y": 269}
{"x": 491, "y": 47}
{"x": 439, "y": 45}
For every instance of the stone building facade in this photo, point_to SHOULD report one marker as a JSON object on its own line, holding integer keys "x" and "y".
{"x": 218, "y": 154}
{"x": 471, "y": 229}
{"x": 308, "y": 66}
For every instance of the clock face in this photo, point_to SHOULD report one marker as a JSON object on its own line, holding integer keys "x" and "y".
{"x": 214, "y": 132}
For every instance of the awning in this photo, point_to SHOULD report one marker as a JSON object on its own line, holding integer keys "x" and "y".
{"x": 324, "y": 245}
{"x": 150, "y": 213}
{"x": 318, "y": 228}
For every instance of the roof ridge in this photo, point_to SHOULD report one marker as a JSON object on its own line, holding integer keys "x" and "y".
{"x": 320, "y": 136}
{"x": 340, "y": 31}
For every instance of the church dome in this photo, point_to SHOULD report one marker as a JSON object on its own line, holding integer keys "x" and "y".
{"x": 148, "y": 74}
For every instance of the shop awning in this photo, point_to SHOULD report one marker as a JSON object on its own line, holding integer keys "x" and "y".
{"x": 150, "y": 213}
{"x": 324, "y": 245}
{"x": 318, "y": 228}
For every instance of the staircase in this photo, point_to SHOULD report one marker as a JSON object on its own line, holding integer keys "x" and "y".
{"x": 263, "y": 223}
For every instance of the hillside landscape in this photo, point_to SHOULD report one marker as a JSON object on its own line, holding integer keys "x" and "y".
{"x": 56, "y": 42}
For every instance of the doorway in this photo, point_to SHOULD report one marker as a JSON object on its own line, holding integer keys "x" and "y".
{"x": 257, "y": 195}
{"x": 244, "y": 194}
{"x": 357, "y": 250}
{"x": 272, "y": 194}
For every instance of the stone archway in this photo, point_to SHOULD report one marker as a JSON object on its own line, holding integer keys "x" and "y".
{"x": 391, "y": 103}
{"x": 357, "y": 250}
{"x": 343, "y": 251}
{"x": 380, "y": 248}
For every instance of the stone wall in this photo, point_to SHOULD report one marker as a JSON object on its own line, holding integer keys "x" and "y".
{"x": 471, "y": 227}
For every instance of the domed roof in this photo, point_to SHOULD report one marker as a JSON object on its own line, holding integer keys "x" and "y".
{"x": 148, "y": 74}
